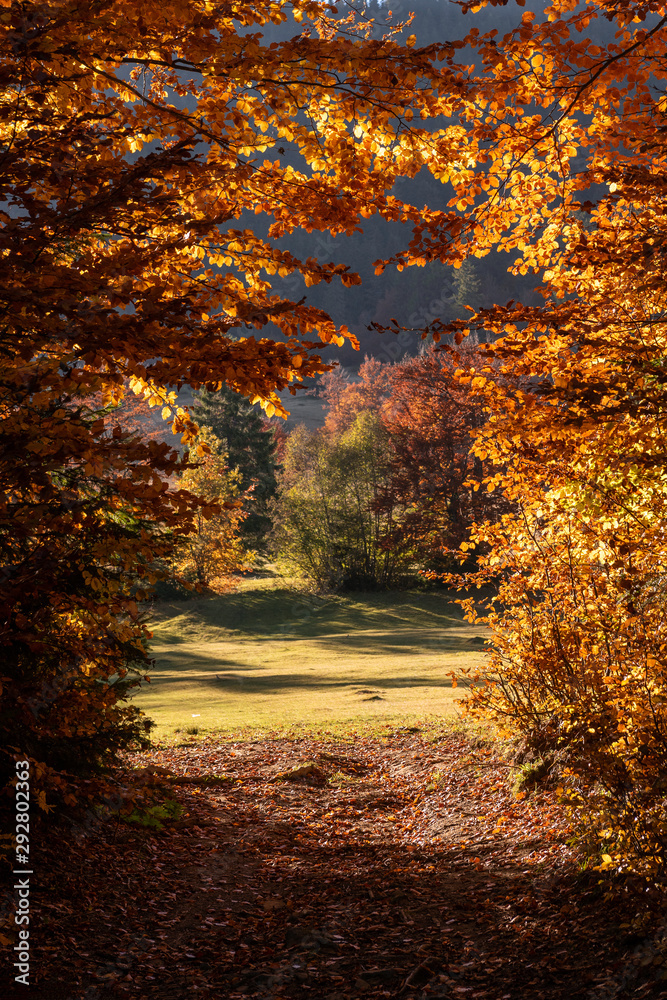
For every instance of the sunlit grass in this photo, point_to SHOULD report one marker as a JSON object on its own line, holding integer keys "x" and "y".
{"x": 269, "y": 658}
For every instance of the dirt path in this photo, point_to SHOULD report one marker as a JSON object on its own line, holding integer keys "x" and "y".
{"x": 398, "y": 867}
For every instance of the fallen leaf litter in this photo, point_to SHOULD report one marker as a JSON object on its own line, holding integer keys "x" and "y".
{"x": 385, "y": 867}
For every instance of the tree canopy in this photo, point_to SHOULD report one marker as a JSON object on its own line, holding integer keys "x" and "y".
{"x": 135, "y": 151}
{"x": 565, "y": 163}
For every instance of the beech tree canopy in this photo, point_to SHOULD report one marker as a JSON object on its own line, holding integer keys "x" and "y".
{"x": 137, "y": 141}
{"x": 135, "y": 138}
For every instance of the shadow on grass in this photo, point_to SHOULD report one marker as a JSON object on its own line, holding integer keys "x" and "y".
{"x": 275, "y": 682}
{"x": 260, "y": 613}
{"x": 407, "y": 643}
{"x": 233, "y": 676}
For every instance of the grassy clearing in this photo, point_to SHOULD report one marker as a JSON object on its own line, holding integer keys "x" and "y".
{"x": 273, "y": 658}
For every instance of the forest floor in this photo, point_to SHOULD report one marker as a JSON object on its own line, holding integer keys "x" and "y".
{"x": 397, "y": 866}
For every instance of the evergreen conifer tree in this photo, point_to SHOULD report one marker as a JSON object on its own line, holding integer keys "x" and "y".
{"x": 251, "y": 448}
{"x": 467, "y": 289}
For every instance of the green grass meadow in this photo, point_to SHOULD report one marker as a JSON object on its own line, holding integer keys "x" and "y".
{"x": 270, "y": 657}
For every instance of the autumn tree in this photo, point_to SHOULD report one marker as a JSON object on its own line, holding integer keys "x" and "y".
{"x": 330, "y": 527}
{"x": 387, "y": 488}
{"x": 345, "y": 397}
{"x": 85, "y": 518}
{"x": 134, "y": 413}
{"x": 562, "y": 160}
{"x": 135, "y": 140}
{"x": 213, "y": 553}
{"x": 432, "y": 420}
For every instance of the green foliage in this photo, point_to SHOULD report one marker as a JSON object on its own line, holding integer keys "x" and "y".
{"x": 530, "y": 774}
{"x": 156, "y": 816}
{"x": 329, "y": 528}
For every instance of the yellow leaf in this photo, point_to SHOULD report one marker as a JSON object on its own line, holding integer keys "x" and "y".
{"x": 42, "y": 803}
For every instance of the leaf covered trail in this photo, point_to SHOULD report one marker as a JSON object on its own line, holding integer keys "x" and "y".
{"x": 392, "y": 867}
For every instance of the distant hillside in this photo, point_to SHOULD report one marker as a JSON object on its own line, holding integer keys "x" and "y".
{"x": 416, "y": 296}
